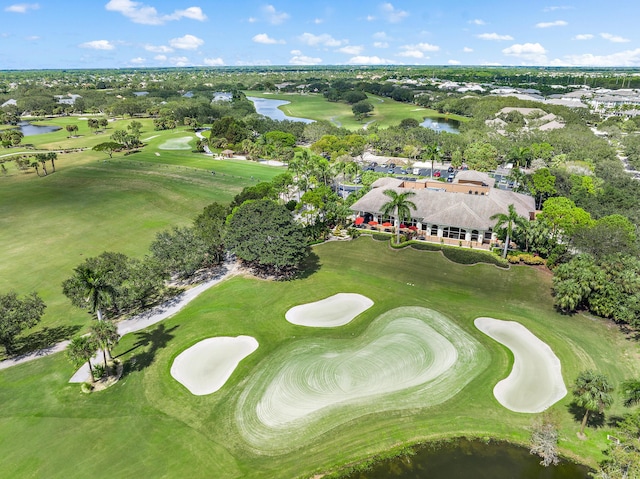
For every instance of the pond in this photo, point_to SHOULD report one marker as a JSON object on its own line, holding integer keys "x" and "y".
{"x": 471, "y": 459}
{"x": 269, "y": 108}
{"x": 28, "y": 129}
{"x": 441, "y": 124}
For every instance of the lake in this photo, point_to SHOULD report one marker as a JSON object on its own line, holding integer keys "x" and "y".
{"x": 269, "y": 108}
{"x": 463, "y": 459}
{"x": 28, "y": 129}
{"x": 440, "y": 124}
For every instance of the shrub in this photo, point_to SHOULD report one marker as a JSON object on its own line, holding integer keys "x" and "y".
{"x": 426, "y": 246}
{"x": 513, "y": 258}
{"x": 380, "y": 237}
{"x": 531, "y": 259}
{"x": 98, "y": 371}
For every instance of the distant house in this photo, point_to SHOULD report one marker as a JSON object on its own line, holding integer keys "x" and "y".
{"x": 450, "y": 213}
{"x": 222, "y": 96}
{"x": 227, "y": 153}
{"x": 9, "y": 102}
{"x": 69, "y": 99}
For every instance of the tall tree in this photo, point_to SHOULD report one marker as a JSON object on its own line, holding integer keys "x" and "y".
{"x": 96, "y": 290}
{"x": 631, "y": 392}
{"x": 592, "y": 392}
{"x": 399, "y": 206}
{"x": 432, "y": 153}
{"x": 106, "y": 336}
{"x": 80, "y": 350}
{"x": 509, "y": 221}
{"x": 263, "y": 234}
{"x": 16, "y": 315}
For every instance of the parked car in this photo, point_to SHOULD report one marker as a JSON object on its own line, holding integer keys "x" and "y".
{"x": 436, "y": 174}
{"x": 450, "y": 178}
{"x": 450, "y": 169}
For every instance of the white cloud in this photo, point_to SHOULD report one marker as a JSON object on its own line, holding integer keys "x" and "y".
{"x": 304, "y": 60}
{"x": 351, "y": 49}
{"x": 273, "y": 16}
{"x": 32, "y": 38}
{"x": 213, "y": 62}
{"x": 315, "y": 40}
{"x": 467, "y": 50}
{"x": 381, "y": 44}
{"x": 252, "y": 20}
{"x": 137, "y": 61}
{"x": 583, "y": 36}
{"x": 614, "y": 38}
{"x": 417, "y": 50}
{"x": 477, "y": 21}
{"x": 364, "y": 60}
{"x": 158, "y": 48}
{"x": 370, "y": 18}
{"x": 627, "y": 58}
{"x": 188, "y": 42}
{"x": 318, "y": 21}
{"x": 266, "y": 39}
{"x": 146, "y": 15}
{"x": 160, "y": 58}
{"x": 180, "y": 61}
{"x": 453, "y": 62}
{"x": 391, "y": 14}
{"x": 295, "y": 52}
{"x": 557, "y": 7}
{"x": 494, "y": 36}
{"x": 380, "y": 36}
{"x": 529, "y": 52}
{"x": 21, "y": 7}
{"x": 98, "y": 45}
{"x": 253, "y": 63}
{"x": 557, "y": 23}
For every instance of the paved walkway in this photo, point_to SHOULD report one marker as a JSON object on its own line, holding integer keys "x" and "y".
{"x": 135, "y": 323}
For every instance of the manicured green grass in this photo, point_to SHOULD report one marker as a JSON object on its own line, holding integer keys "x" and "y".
{"x": 49, "y": 225}
{"x": 149, "y": 425}
{"x": 387, "y": 112}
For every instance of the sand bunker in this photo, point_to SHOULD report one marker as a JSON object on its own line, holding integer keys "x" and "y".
{"x": 535, "y": 382}
{"x": 177, "y": 144}
{"x": 206, "y": 366}
{"x": 336, "y": 310}
{"x": 408, "y": 358}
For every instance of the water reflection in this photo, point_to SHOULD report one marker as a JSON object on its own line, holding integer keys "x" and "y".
{"x": 269, "y": 108}
{"x": 28, "y": 129}
{"x": 439, "y": 124}
{"x": 471, "y": 459}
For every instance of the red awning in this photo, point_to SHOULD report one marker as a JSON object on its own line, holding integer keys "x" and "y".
{"x": 359, "y": 220}
{"x": 387, "y": 224}
{"x": 413, "y": 228}
{"x": 373, "y": 223}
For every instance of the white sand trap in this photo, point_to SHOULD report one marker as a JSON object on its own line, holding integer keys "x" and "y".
{"x": 535, "y": 382}
{"x": 150, "y": 137}
{"x": 408, "y": 358}
{"x": 177, "y": 144}
{"x": 336, "y": 310}
{"x": 207, "y": 365}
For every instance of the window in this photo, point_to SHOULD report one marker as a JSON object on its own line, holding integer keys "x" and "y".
{"x": 453, "y": 232}
{"x": 474, "y": 235}
{"x": 434, "y": 230}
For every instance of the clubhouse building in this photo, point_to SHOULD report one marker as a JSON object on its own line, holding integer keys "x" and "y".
{"x": 453, "y": 213}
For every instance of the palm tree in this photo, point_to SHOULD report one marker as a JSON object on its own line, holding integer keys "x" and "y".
{"x": 509, "y": 220}
{"x": 52, "y": 156}
{"x": 42, "y": 158}
{"x": 631, "y": 391}
{"x": 36, "y": 165}
{"x": 592, "y": 392}
{"x": 97, "y": 291}
{"x": 106, "y": 336}
{"x": 352, "y": 169}
{"x": 80, "y": 350}
{"x": 399, "y": 206}
{"x": 432, "y": 153}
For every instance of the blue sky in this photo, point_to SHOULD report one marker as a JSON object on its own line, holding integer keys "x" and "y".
{"x": 158, "y": 33}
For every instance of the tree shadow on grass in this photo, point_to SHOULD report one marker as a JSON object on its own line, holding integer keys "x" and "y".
{"x": 595, "y": 420}
{"x": 310, "y": 266}
{"x": 147, "y": 344}
{"x": 44, "y": 339}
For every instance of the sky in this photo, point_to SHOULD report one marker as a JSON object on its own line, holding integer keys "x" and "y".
{"x": 60, "y": 34}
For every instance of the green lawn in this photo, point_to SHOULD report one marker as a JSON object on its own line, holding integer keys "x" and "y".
{"x": 387, "y": 112}
{"x": 148, "y": 425}
{"x": 48, "y": 225}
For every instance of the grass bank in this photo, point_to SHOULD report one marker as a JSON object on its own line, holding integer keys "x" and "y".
{"x": 150, "y": 425}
